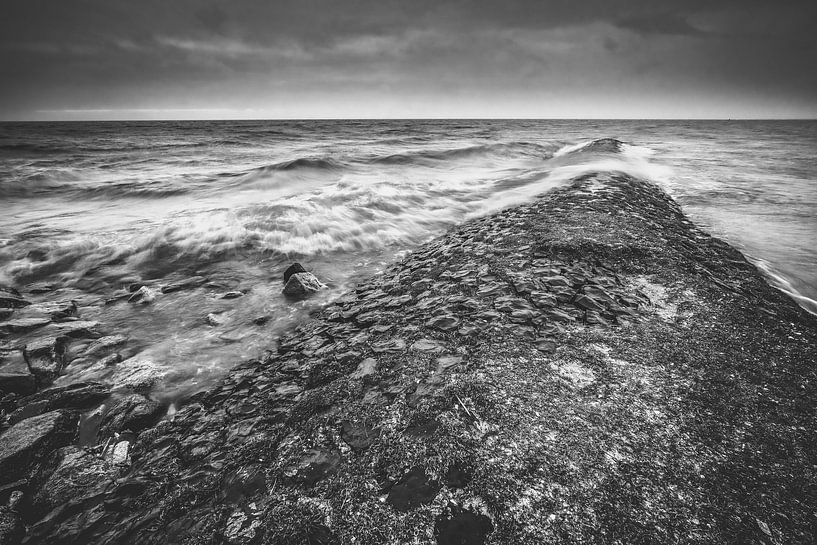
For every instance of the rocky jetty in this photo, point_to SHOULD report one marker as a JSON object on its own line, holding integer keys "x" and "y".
{"x": 589, "y": 368}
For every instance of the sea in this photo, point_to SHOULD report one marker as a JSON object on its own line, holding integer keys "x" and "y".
{"x": 93, "y": 207}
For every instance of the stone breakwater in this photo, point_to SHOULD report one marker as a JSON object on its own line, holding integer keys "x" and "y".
{"x": 589, "y": 367}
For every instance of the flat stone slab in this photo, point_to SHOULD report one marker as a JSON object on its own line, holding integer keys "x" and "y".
{"x": 31, "y": 440}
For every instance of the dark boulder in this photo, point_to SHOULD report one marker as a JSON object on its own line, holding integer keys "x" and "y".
{"x": 30, "y": 441}
{"x": 301, "y": 284}
{"x": 83, "y": 395}
{"x": 133, "y": 412}
{"x": 295, "y": 268}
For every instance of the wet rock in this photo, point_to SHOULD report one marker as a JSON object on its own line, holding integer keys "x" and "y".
{"x": 187, "y": 283}
{"x": 23, "y": 325}
{"x": 32, "y": 439}
{"x": 15, "y": 376}
{"x": 295, "y": 268}
{"x": 77, "y": 329}
{"x": 45, "y": 358}
{"x": 358, "y": 435}
{"x": 143, "y": 295}
{"x": 12, "y": 527}
{"x": 78, "y": 473}
{"x": 137, "y": 373}
{"x": 6, "y": 313}
{"x": 463, "y": 527}
{"x": 55, "y": 311}
{"x": 103, "y": 345}
{"x": 118, "y": 453}
{"x": 133, "y": 412}
{"x": 232, "y": 295}
{"x": 302, "y": 284}
{"x": 414, "y": 489}
{"x": 80, "y": 396}
{"x": 444, "y": 322}
{"x": 261, "y": 320}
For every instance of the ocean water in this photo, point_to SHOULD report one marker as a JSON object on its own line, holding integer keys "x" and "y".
{"x": 92, "y": 207}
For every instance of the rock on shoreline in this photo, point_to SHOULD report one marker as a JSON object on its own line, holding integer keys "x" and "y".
{"x": 589, "y": 367}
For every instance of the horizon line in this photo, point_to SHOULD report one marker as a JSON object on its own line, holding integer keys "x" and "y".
{"x": 225, "y": 119}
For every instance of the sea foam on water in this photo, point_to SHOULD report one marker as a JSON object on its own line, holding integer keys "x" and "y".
{"x": 235, "y": 202}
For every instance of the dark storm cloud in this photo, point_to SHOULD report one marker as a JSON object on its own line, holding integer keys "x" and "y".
{"x": 115, "y": 58}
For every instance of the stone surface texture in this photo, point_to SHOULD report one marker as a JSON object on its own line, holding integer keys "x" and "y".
{"x": 586, "y": 368}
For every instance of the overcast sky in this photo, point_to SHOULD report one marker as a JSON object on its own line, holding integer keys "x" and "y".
{"x": 116, "y": 59}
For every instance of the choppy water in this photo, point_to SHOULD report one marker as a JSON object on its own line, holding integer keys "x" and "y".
{"x": 94, "y": 206}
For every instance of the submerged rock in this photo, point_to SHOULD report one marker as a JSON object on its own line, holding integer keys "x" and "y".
{"x": 15, "y": 376}
{"x": 29, "y": 441}
{"x": 301, "y": 284}
{"x": 187, "y": 283}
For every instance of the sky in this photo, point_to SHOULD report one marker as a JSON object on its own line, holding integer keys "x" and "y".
{"x": 186, "y": 59}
